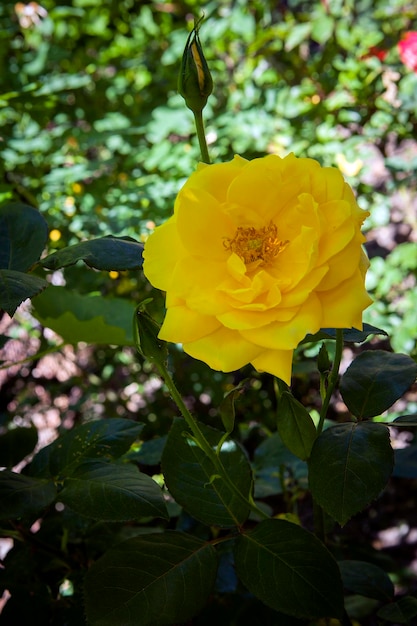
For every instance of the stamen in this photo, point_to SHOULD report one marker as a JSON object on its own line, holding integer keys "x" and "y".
{"x": 256, "y": 244}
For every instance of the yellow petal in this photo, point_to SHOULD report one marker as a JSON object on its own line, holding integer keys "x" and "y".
{"x": 287, "y": 335}
{"x": 196, "y": 283}
{"x": 261, "y": 290}
{"x": 202, "y": 225}
{"x": 225, "y": 350}
{"x": 242, "y": 319}
{"x": 331, "y": 243}
{"x": 342, "y": 266}
{"x": 343, "y": 306}
{"x": 216, "y": 178}
{"x": 162, "y": 250}
{"x": 327, "y": 184}
{"x": 181, "y": 325}
{"x": 301, "y": 292}
{"x": 276, "y": 362}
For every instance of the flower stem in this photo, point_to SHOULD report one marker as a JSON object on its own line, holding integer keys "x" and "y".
{"x": 199, "y": 124}
{"x": 326, "y": 394}
{"x": 332, "y": 380}
{"x": 203, "y": 443}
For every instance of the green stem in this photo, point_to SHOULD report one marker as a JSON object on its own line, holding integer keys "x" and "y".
{"x": 202, "y": 441}
{"x": 199, "y": 124}
{"x": 326, "y": 394}
{"x": 332, "y": 380}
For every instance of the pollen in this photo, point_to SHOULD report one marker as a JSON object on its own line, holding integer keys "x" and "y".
{"x": 259, "y": 245}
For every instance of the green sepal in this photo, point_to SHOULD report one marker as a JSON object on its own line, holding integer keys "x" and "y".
{"x": 194, "y": 81}
{"x": 145, "y": 332}
{"x": 323, "y": 360}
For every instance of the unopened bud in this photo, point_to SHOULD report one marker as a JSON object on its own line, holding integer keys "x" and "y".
{"x": 145, "y": 331}
{"x": 323, "y": 360}
{"x": 194, "y": 82}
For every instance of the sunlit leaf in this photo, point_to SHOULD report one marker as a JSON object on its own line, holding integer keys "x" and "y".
{"x": 90, "y": 318}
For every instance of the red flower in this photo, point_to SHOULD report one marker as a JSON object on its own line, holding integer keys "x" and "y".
{"x": 374, "y": 51}
{"x": 408, "y": 50}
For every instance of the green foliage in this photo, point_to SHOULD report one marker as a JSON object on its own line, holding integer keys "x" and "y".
{"x": 375, "y": 380}
{"x": 366, "y": 579}
{"x": 358, "y": 463}
{"x": 160, "y": 519}
{"x": 207, "y": 497}
{"x": 23, "y": 234}
{"x": 295, "y": 426}
{"x": 147, "y": 579}
{"x": 290, "y": 570}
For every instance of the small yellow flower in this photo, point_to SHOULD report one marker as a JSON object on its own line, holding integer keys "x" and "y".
{"x": 256, "y": 255}
{"x": 55, "y": 235}
{"x": 348, "y": 168}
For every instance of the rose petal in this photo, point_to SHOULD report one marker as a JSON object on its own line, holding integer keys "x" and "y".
{"x": 182, "y": 325}
{"x": 343, "y": 305}
{"x": 224, "y": 350}
{"x": 276, "y": 362}
{"x": 287, "y": 335}
{"x": 162, "y": 250}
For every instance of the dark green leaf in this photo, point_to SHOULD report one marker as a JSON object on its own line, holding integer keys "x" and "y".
{"x": 15, "y": 287}
{"x": 23, "y": 235}
{"x": 21, "y": 496}
{"x": 149, "y": 453}
{"x": 406, "y": 420}
{"x": 375, "y": 380}
{"x": 367, "y": 580}
{"x": 107, "y": 253}
{"x": 290, "y": 570}
{"x": 400, "y": 612}
{"x": 112, "y": 493}
{"x": 406, "y": 462}
{"x": 151, "y": 580}
{"x": 227, "y": 408}
{"x": 145, "y": 332}
{"x": 349, "y": 466}
{"x": 15, "y": 444}
{"x": 323, "y": 360}
{"x": 273, "y": 464}
{"x": 92, "y": 318}
{"x": 102, "y": 439}
{"x": 350, "y": 335}
{"x": 192, "y": 478}
{"x": 295, "y": 426}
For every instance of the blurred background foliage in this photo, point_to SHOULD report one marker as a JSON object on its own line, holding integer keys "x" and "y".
{"x": 95, "y": 135}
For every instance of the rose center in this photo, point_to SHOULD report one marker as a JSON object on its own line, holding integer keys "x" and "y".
{"x": 256, "y": 244}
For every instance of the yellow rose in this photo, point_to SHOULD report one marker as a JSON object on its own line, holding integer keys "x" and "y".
{"x": 258, "y": 254}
